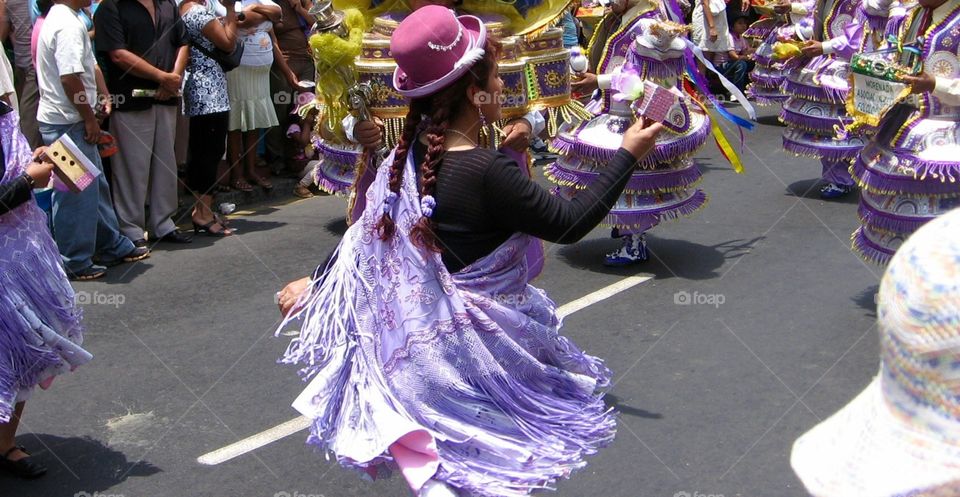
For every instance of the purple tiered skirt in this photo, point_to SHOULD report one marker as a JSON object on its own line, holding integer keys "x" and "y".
{"x": 910, "y": 173}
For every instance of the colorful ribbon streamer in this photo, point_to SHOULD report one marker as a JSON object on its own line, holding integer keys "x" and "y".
{"x": 723, "y": 143}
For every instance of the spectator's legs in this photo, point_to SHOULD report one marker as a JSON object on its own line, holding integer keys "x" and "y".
{"x": 234, "y": 156}
{"x": 84, "y": 223}
{"x": 163, "y": 172}
{"x": 202, "y": 159}
{"x": 134, "y": 131}
{"x": 279, "y": 147}
{"x": 28, "y": 95}
{"x": 283, "y": 99}
{"x": 250, "y": 141}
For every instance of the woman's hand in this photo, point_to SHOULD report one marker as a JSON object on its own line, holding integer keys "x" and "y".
{"x": 368, "y": 133}
{"x": 518, "y": 134}
{"x": 288, "y": 297}
{"x": 641, "y": 137}
{"x": 714, "y": 34}
{"x": 40, "y": 169}
{"x": 921, "y": 83}
{"x": 812, "y": 48}
{"x": 586, "y": 84}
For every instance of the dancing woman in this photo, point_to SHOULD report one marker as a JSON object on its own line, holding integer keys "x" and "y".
{"x": 424, "y": 346}
{"x": 40, "y": 331}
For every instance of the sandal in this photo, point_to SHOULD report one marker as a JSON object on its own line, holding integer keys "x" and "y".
{"x": 242, "y": 185}
{"x": 205, "y": 229}
{"x": 25, "y": 468}
{"x": 223, "y": 188}
{"x": 263, "y": 182}
{"x": 221, "y": 220}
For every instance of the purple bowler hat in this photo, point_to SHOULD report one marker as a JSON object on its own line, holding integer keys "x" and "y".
{"x": 433, "y": 48}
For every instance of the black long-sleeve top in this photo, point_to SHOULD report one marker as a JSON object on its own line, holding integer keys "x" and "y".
{"x": 483, "y": 198}
{"x": 12, "y": 193}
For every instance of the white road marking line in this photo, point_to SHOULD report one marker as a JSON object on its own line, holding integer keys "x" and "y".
{"x": 301, "y": 423}
{"x": 601, "y": 294}
{"x": 254, "y": 442}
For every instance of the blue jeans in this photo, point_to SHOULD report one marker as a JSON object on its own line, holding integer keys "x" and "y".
{"x": 84, "y": 223}
{"x": 737, "y": 71}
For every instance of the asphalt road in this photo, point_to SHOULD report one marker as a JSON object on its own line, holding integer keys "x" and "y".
{"x": 758, "y": 323}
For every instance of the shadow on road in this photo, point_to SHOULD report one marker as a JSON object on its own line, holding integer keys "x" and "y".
{"x": 668, "y": 258}
{"x": 337, "y": 226}
{"x": 616, "y": 403}
{"x": 771, "y": 120}
{"x": 867, "y": 299}
{"x": 77, "y": 466}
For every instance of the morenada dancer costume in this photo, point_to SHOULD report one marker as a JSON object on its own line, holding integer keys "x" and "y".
{"x": 664, "y": 187}
{"x": 909, "y": 170}
{"x": 448, "y": 364}
{"x": 792, "y": 26}
{"x": 815, "y": 113}
{"x": 533, "y": 64}
{"x": 40, "y": 329}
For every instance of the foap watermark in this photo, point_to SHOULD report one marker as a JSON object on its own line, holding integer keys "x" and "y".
{"x": 510, "y": 299}
{"x": 83, "y": 493}
{"x": 295, "y": 493}
{"x": 484, "y": 98}
{"x": 684, "y": 493}
{"x": 696, "y": 298}
{"x": 114, "y": 99}
{"x": 97, "y": 298}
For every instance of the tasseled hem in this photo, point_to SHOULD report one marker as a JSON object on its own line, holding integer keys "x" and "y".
{"x": 673, "y": 150}
{"x": 928, "y": 179}
{"x": 835, "y": 154}
{"x": 634, "y": 218}
{"x": 656, "y": 69}
{"x": 889, "y": 222}
{"x": 869, "y": 251}
{"x": 331, "y": 185}
{"x": 640, "y": 182}
{"x": 822, "y": 125}
{"x": 770, "y": 81}
{"x": 822, "y": 94}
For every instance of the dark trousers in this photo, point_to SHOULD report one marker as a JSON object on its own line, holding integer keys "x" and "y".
{"x": 208, "y": 140}
{"x": 737, "y": 71}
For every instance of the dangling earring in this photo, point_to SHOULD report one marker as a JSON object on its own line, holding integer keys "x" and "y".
{"x": 483, "y": 119}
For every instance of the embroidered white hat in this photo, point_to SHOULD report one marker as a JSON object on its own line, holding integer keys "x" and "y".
{"x": 901, "y": 435}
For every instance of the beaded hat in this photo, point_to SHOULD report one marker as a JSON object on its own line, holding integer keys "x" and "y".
{"x": 433, "y": 48}
{"x": 901, "y": 435}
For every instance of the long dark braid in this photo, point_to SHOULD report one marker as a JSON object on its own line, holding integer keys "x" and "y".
{"x": 424, "y": 232}
{"x": 386, "y": 227}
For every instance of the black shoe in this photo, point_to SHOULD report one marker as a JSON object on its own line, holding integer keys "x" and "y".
{"x": 92, "y": 272}
{"x": 140, "y": 242}
{"x": 26, "y": 468}
{"x": 176, "y": 236}
{"x": 137, "y": 254}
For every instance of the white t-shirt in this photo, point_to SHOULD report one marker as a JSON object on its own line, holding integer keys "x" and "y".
{"x": 63, "y": 48}
{"x": 6, "y": 80}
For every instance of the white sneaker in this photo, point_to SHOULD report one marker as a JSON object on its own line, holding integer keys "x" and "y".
{"x": 435, "y": 488}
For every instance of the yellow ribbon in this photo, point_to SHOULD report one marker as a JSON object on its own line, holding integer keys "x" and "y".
{"x": 731, "y": 154}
